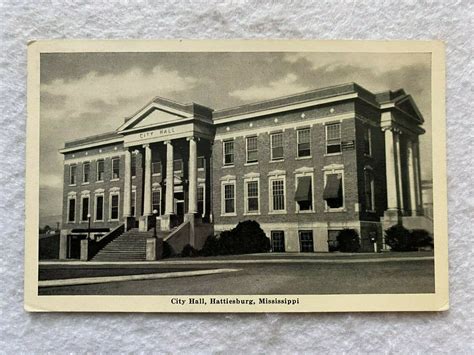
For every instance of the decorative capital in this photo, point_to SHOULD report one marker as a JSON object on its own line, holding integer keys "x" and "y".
{"x": 167, "y": 142}
{"x": 193, "y": 138}
{"x": 147, "y": 145}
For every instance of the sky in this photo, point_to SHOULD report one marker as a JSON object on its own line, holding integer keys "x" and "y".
{"x": 90, "y": 93}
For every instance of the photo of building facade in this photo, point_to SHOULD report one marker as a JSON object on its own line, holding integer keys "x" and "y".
{"x": 303, "y": 166}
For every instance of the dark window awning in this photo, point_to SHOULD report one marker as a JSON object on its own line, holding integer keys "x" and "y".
{"x": 333, "y": 189}
{"x": 303, "y": 191}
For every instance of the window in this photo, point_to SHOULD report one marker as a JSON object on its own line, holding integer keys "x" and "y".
{"x": 304, "y": 142}
{"x": 156, "y": 201}
{"x": 133, "y": 203}
{"x": 200, "y": 200}
{"x": 115, "y": 168}
{"x": 304, "y": 193}
{"x": 177, "y": 166}
{"x": 99, "y": 207}
{"x": 100, "y": 170}
{"x": 252, "y": 197}
{"x": 133, "y": 165}
{"x": 72, "y": 174}
{"x": 114, "y": 207}
{"x": 333, "y": 190}
{"x": 306, "y": 241}
{"x": 277, "y": 146}
{"x": 229, "y": 198}
{"x": 369, "y": 190}
{"x": 278, "y": 195}
{"x": 201, "y": 163}
{"x": 71, "y": 216}
{"x": 278, "y": 241}
{"x": 86, "y": 170}
{"x": 367, "y": 141}
{"x": 156, "y": 168}
{"x": 228, "y": 152}
{"x": 333, "y": 138}
{"x": 85, "y": 208}
{"x": 252, "y": 151}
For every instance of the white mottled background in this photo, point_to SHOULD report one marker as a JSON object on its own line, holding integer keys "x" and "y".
{"x": 451, "y": 21}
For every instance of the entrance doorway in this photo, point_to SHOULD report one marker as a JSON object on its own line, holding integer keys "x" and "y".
{"x": 74, "y": 246}
{"x": 179, "y": 206}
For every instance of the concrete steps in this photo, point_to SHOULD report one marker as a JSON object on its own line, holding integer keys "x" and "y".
{"x": 130, "y": 246}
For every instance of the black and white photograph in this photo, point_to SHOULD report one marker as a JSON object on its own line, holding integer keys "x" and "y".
{"x": 238, "y": 174}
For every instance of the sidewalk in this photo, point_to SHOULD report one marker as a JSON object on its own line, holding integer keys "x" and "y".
{"x": 267, "y": 258}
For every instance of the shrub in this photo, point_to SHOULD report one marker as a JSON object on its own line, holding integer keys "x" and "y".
{"x": 247, "y": 237}
{"x": 399, "y": 238}
{"x": 211, "y": 246}
{"x": 167, "y": 250}
{"x": 421, "y": 238}
{"x": 348, "y": 241}
{"x": 189, "y": 251}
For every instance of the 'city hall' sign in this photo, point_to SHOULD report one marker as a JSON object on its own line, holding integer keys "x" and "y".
{"x": 159, "y": 135}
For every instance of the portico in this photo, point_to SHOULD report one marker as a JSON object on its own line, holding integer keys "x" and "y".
{"x": 401, "y": 165}
{"x": 167, "y": 142}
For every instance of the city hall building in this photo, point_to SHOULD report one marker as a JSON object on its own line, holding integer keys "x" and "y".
{"x": 303, "y": 166}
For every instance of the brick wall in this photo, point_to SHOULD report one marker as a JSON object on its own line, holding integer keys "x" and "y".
{"x": 92, "y": 156}
{"x": 317, "y": 161}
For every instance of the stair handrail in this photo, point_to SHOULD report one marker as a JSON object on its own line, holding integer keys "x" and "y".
{"x": 97, "y": 245}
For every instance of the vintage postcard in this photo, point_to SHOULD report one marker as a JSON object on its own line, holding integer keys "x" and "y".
{"x": 236, "y": 176}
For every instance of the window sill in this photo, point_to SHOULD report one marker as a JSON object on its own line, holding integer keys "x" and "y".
{"x": 305, "y": 212}
{"x": 86, "y": 183}
{"x": 99, "y": 220}
{"x": 370, "y": 211}
{"x": 200, "y": 169}
{"x": 277, "y": 212}
{"x": 335, "y": 210}
{"x": 251, "y": 163}
{"x": 252, "y": 213}
{"x": 277, "y": 160}
{"x": 228, "y": 214}
{"x": 303, "y": 158}
{"x": 115, "y": 179}
{"x": 332, "y": 154}
{"x": 228, "y": 166}
{"x": 99, "y": 181}
{"x": 72, "y": 185}
{"x": 114, "y": 220}
{"x": 133, "y": 177}
{"x": 156, "y": 174}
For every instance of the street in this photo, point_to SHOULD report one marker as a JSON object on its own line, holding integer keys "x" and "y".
{"x": 295, "y": 276}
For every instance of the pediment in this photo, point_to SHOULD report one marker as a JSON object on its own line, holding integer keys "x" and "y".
{"x": 407, "y": 105}
{"x": 154, "y": 114}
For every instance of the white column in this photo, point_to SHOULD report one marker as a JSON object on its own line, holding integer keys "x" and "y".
{"x": 390, "y": 170}
{"x": 419, "y": 196}
{"x": 169, "y": 200}
{"x": 192, "y": 208}
{"x": 147, "y": 186}
{"x": 398, "y": 164}
{"x": 127, "y": 187}
{"x": 411, "y": 178}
